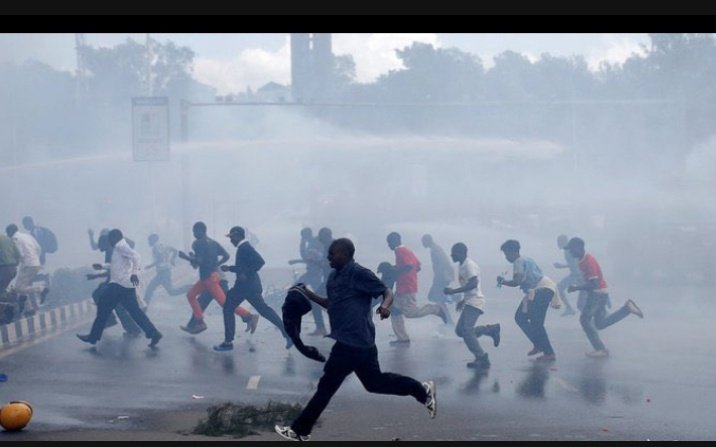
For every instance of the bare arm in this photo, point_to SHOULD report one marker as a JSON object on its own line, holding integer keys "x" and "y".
{"x": 514, "y": 282}
{"x": 384, "y": 308}
{"x": 589, "y": 285}
{"x": 97, "y": 275}
{"x": 471, "y": 284}
{"x": 174, "y": 254}
{"x": 224, "y": 256}
{"x": 313, "y": 296}
{"x": 403, "y": 268}
{"x": 93, "y": 244}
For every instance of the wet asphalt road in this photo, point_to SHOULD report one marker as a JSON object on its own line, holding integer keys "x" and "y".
{"x": 658, "y": 383}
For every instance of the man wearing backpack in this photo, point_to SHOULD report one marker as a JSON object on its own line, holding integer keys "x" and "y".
{"x": 48, "y": 244}
{"x": 44, "y": 236}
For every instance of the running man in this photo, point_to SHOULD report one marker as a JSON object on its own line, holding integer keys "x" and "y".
{"x": 594, "y": 316}
{"x": 207, "y": 255}
{"x": 471, "y": 306}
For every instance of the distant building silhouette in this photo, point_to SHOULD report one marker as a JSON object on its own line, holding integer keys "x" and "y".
{"x": 311, "y": 65}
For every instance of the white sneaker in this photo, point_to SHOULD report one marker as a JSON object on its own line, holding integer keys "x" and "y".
{"x": 289, "y": 434}
{"x": 599, "y": 353}
{"x": 431, "y": 403}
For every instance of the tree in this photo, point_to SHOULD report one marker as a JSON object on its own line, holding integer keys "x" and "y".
{"x": 121, "y": 72}
{"x": 432, "y": 75}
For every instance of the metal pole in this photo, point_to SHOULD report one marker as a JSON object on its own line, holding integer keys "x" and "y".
{"x": 148, "y": 67}
{"x": 184, "y": 120}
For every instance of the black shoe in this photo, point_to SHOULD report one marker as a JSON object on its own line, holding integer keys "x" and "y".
{"x": 480, "y": 362}
{"x": 155, "y": 339}
{"x": 43, "y": 295}
{"x": 21, "y": 303}
{"x": 195, "y": 328}
{"x": 495, "y": 334}
{"x": 225, "y": 346}
{"x": 86, "y": 339}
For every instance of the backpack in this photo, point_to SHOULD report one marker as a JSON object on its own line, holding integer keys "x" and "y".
{"x": 46, "y": 238}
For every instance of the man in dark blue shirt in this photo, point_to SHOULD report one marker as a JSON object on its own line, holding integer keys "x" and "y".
{"x": 247, "y": 287}
{"x": 350, "y": 289}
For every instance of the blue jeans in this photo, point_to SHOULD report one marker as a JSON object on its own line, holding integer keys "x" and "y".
{"x": 594, "y": 317}
{"x": 465, "y": 328}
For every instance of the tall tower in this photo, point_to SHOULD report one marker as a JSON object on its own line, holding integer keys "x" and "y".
{"x": 300, "y": 66}
{"x": 311, "y": 65}
{"x": 81, "y": 73}
{"x": 322, "y": 61}
{"x": 148, "y": 91}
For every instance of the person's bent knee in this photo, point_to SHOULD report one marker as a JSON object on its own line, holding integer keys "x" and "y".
{"x": 371, "y": 387}
{"x": 584, "y": 319}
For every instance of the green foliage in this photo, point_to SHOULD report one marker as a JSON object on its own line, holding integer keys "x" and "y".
{"x": 241, "y": 420}
{"x": 121, "y": 72}
{"x": 70, "y": 285}
{"x": 436, "y": 91}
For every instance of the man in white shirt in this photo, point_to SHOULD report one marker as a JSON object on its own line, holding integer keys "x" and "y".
{"x": 29, "y": 266}
{"x": 124, "y": 268}
{"x": 164, "y": 259}
{"x": 471, "y": 307}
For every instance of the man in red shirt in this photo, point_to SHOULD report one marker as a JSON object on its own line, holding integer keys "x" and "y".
{"x": 407, "y": 266}
{"x": 594, "y": 315}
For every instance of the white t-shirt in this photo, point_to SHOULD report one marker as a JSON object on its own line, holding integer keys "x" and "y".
{"x": 29, "y": 249}
{"x": 473, "y": 297}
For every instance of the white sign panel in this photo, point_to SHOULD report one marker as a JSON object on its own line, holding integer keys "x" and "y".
{"x": 150, "y": 128}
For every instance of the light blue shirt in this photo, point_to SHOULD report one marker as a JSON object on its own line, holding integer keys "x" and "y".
{"x": 531, "y": 273}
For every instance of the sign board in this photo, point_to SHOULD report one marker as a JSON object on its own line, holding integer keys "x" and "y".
{"x": 150, "y": 128}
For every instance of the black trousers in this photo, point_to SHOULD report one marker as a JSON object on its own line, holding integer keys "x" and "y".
{"x": 234, "y": 297}
{"x": 344, "y": 360}
{"x": 532, "y": 321}
{"x": 125, "y": 319}
{"x": 113, "y": 296}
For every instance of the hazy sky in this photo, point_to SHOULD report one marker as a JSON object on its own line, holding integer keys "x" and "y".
{"x": 231, "y": 62}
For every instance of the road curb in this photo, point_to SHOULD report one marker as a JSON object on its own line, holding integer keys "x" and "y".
{"x": 44, "y": 320}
